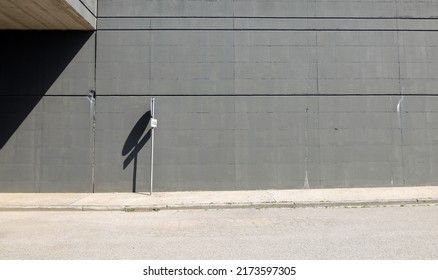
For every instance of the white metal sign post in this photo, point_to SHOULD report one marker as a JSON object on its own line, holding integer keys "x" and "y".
{"x": 153, "y": 126}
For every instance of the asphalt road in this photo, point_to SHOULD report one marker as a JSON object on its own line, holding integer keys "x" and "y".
{"x": 321, "y": 233}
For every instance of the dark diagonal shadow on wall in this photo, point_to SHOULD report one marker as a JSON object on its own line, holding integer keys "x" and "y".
{"x": 30, "y": 62}
{"x": 134, "y": 143}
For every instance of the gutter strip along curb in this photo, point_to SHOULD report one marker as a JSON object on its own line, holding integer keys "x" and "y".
{"x": 231, "y": 205}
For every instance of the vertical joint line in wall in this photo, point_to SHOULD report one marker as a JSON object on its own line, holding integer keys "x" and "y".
{"x": 94, "y": 99}
{"x": 317, "y": 103}
{"x": 317, "y": 63}
{"x": 306, "y": 155}
{"x": 234, "y": 102}
{"x": 400, "y": 101}
{"x": 319, "y": 142}
{"x": 318, "y": 116}
{"x": 234, "y": 57}
{"x": 150, "y": 59}
{"x": 400, "y": 121}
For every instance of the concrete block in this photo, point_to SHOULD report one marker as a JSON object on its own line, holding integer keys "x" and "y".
{"x": 180, "y": 8}
{"x": 420, "y": 104}
{"x": 359, "y": 86}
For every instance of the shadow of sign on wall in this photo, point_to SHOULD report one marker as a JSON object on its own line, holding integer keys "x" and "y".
{"x": 134, "y": 144}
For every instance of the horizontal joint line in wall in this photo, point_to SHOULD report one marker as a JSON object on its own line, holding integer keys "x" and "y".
{"x": 241, "y": 94}
{"x": 267, "y": 95}
{"x": 44, "y": 95}
{"x": 273, "y": 30}
{"x": 261, "y": 17}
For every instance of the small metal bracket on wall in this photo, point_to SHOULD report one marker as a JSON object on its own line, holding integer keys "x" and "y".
{"x": 154, "y": 123}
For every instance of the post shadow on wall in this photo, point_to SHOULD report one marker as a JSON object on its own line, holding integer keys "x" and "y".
{"x": 30, "y": 62}
{"x": 134, "y": 143}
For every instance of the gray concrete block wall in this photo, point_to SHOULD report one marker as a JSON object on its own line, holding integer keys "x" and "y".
{"x": 250, "y": 95}
{"x": 229, "y": 142}
{"x": 272, "y": 94}
{"x": 51, "y": 151}
{"x": 46, "y": 140}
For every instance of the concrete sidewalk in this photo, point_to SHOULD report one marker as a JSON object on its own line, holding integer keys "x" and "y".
{"x": 220, "y": 199}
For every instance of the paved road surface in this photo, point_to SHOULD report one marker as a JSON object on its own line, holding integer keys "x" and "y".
{"x": 333, "y": 233}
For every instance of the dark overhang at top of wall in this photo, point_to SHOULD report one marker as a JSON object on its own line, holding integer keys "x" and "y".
{"x": 48, "y": 14}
